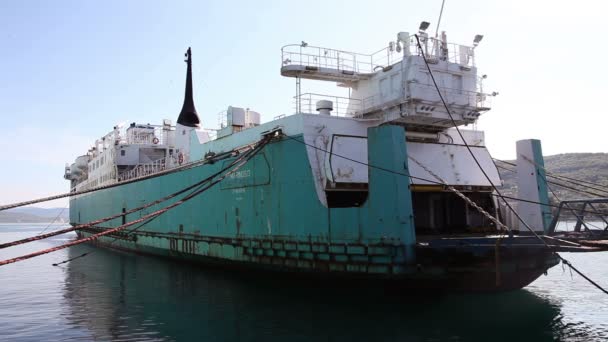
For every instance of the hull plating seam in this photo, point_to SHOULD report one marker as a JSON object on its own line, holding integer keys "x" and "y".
{"x": 457, "y": 265}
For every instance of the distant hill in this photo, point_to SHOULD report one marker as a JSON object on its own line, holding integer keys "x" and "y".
{"x": 34, "y": 215}
{"x": 590, "y": 167}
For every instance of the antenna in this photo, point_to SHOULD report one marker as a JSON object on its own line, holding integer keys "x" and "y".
{"x": 439, "y": 20}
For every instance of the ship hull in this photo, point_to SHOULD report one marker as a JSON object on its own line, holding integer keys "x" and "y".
{"x": 454, "y": 269}
{"x": 272, "y": 215}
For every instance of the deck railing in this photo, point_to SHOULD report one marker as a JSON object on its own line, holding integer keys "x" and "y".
{"x": 150, "y": 168}
{"x": 321, "y": 57}
{"x": 342, "y": 106}
{"x": 586, "y": 212}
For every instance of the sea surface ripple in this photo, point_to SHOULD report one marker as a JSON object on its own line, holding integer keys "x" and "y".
{"x": 112, "y": 296}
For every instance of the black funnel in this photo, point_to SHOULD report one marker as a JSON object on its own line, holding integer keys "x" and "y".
{"x": 188, "y": 116}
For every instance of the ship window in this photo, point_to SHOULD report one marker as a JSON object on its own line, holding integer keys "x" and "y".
{"x": 345, "y": 195}
{"x": 346, "y": 199}
{"x": 457, "y": 82}
{"x": 122, "y": 152}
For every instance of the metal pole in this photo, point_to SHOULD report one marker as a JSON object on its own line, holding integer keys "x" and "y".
{"x": 439, "y": 20}
{"x": 298, "y": 96}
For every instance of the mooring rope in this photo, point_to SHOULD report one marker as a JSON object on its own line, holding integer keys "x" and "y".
{"x": 105, "y": 219}
{"x": 586, "y": 211}
{"x": 432, "y": 182}
{"x": 181, "y": 168}
{"x": 463, "y": 196}
{"x": 483, "y": 171}
{"x": 596, "y": 186}
{"x": 159, "y": 212}
{"x": 143, "y": 223}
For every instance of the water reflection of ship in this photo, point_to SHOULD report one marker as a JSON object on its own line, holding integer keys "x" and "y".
{"x": 122, "y": 296}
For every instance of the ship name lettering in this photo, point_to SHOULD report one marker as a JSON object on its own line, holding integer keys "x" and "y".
{"x": 241, "y": 174}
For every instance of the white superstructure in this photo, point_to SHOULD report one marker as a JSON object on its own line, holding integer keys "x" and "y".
{"x": 392, "y": 85}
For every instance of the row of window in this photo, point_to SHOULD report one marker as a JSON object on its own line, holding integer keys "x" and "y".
{"x": 95, "y": 165}
{"x": 100, "y": 180}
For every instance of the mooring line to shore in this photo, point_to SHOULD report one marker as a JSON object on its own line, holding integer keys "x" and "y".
{"x": 191, "y": 165}
{"x": 498, "y": 193}
{"x": 519, "y": 218}
{"x": 584, "y": 192}
{"x": 596, "y": 186}
{"x": 586, "y": 211}
{"x": 105, "y": 219}
{"x": 439, "y": 183}
{"x": 234, "y": 167}
{"x": 250, "y": 153}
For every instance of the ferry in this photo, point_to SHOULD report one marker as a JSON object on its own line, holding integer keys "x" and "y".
{"x": 391, "y": 183}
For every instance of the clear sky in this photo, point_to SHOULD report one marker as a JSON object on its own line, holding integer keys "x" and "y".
{"x": 71, "y": 70}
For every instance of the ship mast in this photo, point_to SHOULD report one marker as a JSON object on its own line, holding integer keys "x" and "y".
{"x": 188, "y": 116}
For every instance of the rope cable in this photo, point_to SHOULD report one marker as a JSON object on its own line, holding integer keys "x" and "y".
{"x": 575, "y": 181}
{"x": 143, "y": 218}
{"x": 86, "y": 225}
{"x": 559, "y": 184}
{"x": 483, "y": 171}
{"x": 53, "y": 221}
{"x": 134, "y": 229}
{"x": 181, "y": 168}
{"x": 565, "y": 261}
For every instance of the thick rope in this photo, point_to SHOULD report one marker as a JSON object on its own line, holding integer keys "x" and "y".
{"x": 463, "y": 196}
{"x": 440, "y": 183}
{"x": 143, "y": 218}
{"x": 481, "y": 168}
{"x": 108, "y": 186}
{"x": 252, "y": 152}
{"x": 105, "y": 219}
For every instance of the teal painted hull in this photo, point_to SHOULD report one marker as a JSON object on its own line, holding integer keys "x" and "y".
{"x": 268, "y": 216}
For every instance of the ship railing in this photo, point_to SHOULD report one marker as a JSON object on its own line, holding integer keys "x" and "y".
{"x": 222, "y": 119}
{"x": 453, "y": 97}
{"x": 385, "y": 57}
{"x": 149, "y": 168}
{"x": 435, "y": 49}
{"x": 460, "y": 97}
{"x": 123, "y": 135}
{"x": 342, "y": 106}
{"x": 353, "y": 107}
{"x": 590, "y": 215}
{"x": 320, "y": 57}
{"x": 157, "y": 136}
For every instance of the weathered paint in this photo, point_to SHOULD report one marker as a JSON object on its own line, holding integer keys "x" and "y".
{"x": 272, "y": 201}
{"x": 269, "y": 214}
{"x": 532, "y": 185}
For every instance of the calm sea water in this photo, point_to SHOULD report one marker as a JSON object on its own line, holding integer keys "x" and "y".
{"x": 111, "y": 296}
